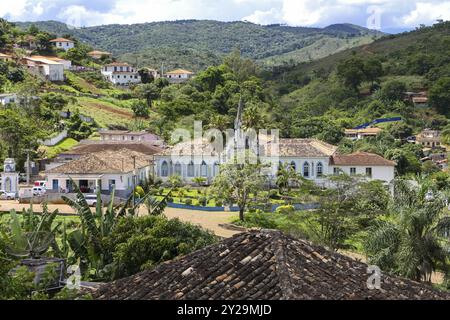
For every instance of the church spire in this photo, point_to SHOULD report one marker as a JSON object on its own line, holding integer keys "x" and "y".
{"x": 238, "y": 121}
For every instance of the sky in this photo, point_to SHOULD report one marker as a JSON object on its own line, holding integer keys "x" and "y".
{"x": 385, "y": 15}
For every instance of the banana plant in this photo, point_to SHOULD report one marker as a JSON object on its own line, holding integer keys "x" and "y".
{"x": 34, "y": 235}
{"x": 88, "y": 243}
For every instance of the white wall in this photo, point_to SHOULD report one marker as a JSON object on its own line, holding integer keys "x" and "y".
{"x": 383, "y": 173}
{"x": 65, "y": 45}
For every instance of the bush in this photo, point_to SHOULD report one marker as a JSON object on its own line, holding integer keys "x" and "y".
{"x": 140, "y": 243}
{"x": 202, "y": 201}
{"x": 219, "y": 203}
{"x": 170, "y": 199}
{"x": 188, "y": 201}
{"x": 273, "y": 194}
{"x": 258, "y": 219}
{"x": 288, "y": 209}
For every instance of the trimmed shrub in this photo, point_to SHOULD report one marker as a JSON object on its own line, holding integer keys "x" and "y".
{"x": 202, "y": 201}
{"x": 288, "y": 209}
{"x": 188, "y": 202}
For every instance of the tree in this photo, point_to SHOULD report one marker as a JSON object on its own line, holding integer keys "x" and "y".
{"x": 200, "y": 181}
{"x": 336, "y": 219}
{"x": 439, "y": 95}
{"x": 237, "y": 183}
{"x": 373, "y": 70}
{"x": 287, "y": 178}
{"x": 351, "y": 72}
{"x": 149, "y": 92}
{"x": 242, "y": 68}
{"x": 409, "y": 243}
{"x": 140, "y": 109}
{"x": 393, "y": 90}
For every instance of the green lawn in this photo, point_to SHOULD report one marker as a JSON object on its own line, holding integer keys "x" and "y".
{"x": 62, "y": 146}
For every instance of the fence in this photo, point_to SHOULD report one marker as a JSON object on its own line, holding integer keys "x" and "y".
{"x": 55, "y": 140}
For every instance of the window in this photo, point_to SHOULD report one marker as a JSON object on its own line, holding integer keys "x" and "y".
{"x": 369, "y": 172}
{"x": 216, "y": 169}
{"x": 306, "y": 170}
{"x": 164, "y": 169}
{"x": 178, "y": 169}
{"x": 336, "y": 171}
{"x": 293, "y": 166}
{"x": 352, "y": 171}
{"x": 190, "y": 169}
{"x": 204, "y": 169}
{"x": 319, "y": 170}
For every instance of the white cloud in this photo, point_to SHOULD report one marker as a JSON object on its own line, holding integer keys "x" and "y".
{"x": 426, "y": 13}
{"x": 393, "y": 13}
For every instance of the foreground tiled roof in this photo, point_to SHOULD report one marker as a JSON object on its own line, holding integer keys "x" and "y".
{"x": 120, "y": 161}
{"x": 361, "y": 159}
{"x": 100, "y": 146}
{"x": 262, "y": 265}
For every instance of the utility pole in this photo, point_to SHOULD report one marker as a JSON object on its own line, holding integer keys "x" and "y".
{"x": 134, "y": 179}
{"x": 28, "y": 169}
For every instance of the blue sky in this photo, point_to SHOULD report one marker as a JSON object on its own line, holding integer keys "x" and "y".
{"x": 387, "y": 15}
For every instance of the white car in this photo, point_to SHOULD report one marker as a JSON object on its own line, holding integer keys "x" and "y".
{"x": 91, "y": 200}
{"x": 38, "y": 191}
{"x": 7, "y": 195}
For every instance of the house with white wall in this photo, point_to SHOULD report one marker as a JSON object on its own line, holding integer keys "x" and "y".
{"x": 63, "y": 44}
{"x": 7, "y": 98}
{"x": 48, "y": 69}
{"x": 313, "y": 159}
{"x": 5, "y": 57}
{"x": 179, "y": 75}
{"x": 97, "y": 55}
{"x": 66, "y": 63}
{"x": 104, "y": 171}
{"x": 131, "y": 136}
{"x": 121, "y": 74}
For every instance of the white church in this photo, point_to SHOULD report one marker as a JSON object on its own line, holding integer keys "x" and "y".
{"x": 311, "y": 158}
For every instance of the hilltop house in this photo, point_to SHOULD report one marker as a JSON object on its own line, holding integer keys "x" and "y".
{"x": 121, "y": 73}
{"x": 7, "y": 98}
{"x": 429, "y": 138}
{"x": 99, "y": 54}
{"x": 66, "y": 63}
{"x": 179, "y": 75}
{"x": 101, "y": 170}
{"x": 5, "y": 57}
{"x": 311, "y": 158}
{"x": 44, "y": 67}
{"x": 131, "y": 136}
{"x": 64, "y": 44}
{"x": 358, "y": 134}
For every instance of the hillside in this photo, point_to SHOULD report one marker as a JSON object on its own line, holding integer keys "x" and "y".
{"x": 196, "y": 44}
{"x": 395, "y": 50}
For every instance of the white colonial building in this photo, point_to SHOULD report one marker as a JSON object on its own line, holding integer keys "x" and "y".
{"x": 45, "y": 68}
{"x": 66, "y": 63}
{"x": 104, "y": 171}
{"x": 179, "y": 75}
{"x": 121, "y": 74}
{"x": 63, "y": 44}
{"x": 312, "y": 159}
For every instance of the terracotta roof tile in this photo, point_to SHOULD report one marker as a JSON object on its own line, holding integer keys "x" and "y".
{"x": 262, "y": 265}
{"x": 104, "y": 162}
{"x": 361, "y": 159}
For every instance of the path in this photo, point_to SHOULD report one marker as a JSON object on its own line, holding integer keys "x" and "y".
{"x": 208, "y": 220}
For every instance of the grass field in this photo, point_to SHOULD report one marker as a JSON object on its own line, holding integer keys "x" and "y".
{"x": 62, "y": 146}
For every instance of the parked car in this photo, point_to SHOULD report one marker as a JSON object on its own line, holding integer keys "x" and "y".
{"x": 7, "y": 195}
{"x": 91, "y": 199}
{"x": 38, "y": 191}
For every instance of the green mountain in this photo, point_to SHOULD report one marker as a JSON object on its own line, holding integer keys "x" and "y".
{"x": 196, "y": 44}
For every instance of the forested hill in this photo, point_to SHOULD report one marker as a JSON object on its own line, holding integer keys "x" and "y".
{"x": 197, "y": 44}
{"x": 422, "y": 53}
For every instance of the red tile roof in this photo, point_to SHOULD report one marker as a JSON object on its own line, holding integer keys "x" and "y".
{"x": 360, "y": 159}
{"x": 61, "y": 40}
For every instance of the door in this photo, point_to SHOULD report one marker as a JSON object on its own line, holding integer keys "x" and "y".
{"x": 55, "y": 184}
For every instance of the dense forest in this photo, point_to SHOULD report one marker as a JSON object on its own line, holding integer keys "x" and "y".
{"x": 196, "y": 44}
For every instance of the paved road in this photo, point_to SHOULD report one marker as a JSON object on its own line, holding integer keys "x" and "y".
{"x": 208, "y": 220}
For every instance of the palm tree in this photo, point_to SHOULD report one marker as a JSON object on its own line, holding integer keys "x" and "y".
{"x": 410, "y": 241}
